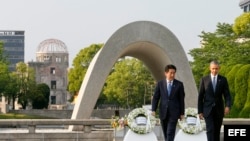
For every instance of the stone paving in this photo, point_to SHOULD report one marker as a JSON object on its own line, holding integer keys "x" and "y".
{"x": 119, "y": 134}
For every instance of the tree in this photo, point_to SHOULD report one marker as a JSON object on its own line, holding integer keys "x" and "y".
{"x": 12, "y": 89}
{"x": 242, "y": 29}
{"x": 26, "y": 82}
{"x": 241, "y": 26}
{"x": 41, "y": 99}
{"x": 4, "y": 76}
{"x": 4, "y": 72}
{"x": 230, "y": 45}
{"x": 129, "y": 78}
{"x": 231, "y": 79}
{"x": 215, "y": 46}
{"x": 241, "y": 88}
{"x": 222, "y": 45}
{"x": 80, "y": 66}
{"x": 126, "y": 84}
{"x": 2, "y": 56}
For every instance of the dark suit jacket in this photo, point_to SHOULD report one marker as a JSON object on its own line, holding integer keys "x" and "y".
{"x": 174, "y": 104}
{"x": 207, "y": 98}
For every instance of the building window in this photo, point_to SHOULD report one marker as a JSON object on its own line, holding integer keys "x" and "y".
{"x": 58, "y": 59}
{"x": 52, "y": 70}
{"x": 53, "y": 99}
{"x": 246, "y": 8}
{"x": 53, "y": 84}
{"x": 65, "y": 59}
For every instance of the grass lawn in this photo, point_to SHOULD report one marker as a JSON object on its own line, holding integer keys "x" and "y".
{"x": 21, "y": 116}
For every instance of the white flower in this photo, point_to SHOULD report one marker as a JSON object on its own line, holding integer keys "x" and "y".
{"x": 196, "y": 128}
{"x": 141, "y": 129}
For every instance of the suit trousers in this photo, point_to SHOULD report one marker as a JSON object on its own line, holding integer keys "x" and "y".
{"x": 169, "y": 127}
{"x": 213, "y": 125}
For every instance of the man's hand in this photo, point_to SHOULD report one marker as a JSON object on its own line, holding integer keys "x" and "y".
{"x": 201, "y": 116}
{"x": 182, "y": 117}
{"x": 226, "y": 111}
{"x": 153, "y": 113}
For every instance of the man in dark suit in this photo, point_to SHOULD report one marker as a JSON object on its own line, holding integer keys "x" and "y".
{"x": 213, "y": 92}
{"x": 169, "y": 94}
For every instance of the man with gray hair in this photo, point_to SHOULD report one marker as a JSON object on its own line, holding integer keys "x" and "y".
{"x": 213, "y": 92}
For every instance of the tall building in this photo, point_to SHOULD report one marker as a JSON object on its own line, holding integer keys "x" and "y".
{"x": 51, "y": 68}
{"x": 13, "y": 46}
{"x": 245, "y": 5}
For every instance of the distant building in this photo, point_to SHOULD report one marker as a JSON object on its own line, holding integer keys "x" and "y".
{"x": 13, "y": 46}
{"x": 51, "y": 67}
{"x": 245, "y": 5}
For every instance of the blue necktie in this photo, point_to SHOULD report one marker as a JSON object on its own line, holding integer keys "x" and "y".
{"x": 169, "y": 87}
{"x": 214, "y": 83}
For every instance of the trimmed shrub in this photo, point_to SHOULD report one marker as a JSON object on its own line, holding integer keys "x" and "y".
{"x": 245, "y": 112}
{"x": 231, "y": 82}
{"x": 241, "y": 84}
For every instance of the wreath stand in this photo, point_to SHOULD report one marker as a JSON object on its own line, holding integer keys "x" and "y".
{"x": 132, "y": 136}
{"x": 191, "y": 127}
{"x": 137, "y": 117}
{"x": 182, "y": 136}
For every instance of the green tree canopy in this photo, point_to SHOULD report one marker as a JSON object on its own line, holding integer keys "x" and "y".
{"x": 26, "y": 82}
{"x": 4, "y": 70}
{"x": 129, "y": 84}
{"x": 40, "y": 99}
{"x": 4, "y": 76}
{"x": 129, "y": 78}
{"x": 230, "y": 45}
{"x": 241, "y": 26}
{"x": 80, "y": 65}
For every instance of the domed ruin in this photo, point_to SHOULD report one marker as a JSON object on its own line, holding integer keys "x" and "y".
{"x": 52, "y": 46}
{"x": 52, "y": 50}
{"x": 51, "y": 68}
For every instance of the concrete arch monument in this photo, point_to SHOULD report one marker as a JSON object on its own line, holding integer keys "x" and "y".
{"x": 153, "y": 44}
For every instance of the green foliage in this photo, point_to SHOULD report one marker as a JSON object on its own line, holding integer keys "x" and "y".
{"x": 245, "y": 112}
{"x": 231, "y": 79}
{"x": 2, "y": 56}
{"x": 241, "y": 26}
{"x": 26, "y": 83}
{"x": 128, "y": 79}
{"x": 21, "y": 116}
{"x": 12, "y": 89}
{"x": 240, "y": 83}
{"x": 41, "y": 99}
{"x": 214, "y": 47}
{"x": 225, "y": 69}
{"x": 129, "y": 84}
{"x": 4, "y": 72}
{"x": 4, "y": 76}
{"x": 80, "y": 66}
{"x": 230, "y": 45}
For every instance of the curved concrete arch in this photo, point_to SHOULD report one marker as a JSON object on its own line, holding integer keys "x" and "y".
{"x": 150, "y": 42}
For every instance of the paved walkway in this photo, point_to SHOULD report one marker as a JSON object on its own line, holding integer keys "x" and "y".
{"x": 119, "y": 135}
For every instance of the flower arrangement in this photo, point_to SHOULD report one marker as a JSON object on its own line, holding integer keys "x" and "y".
{"x": 141, "y": 128}
{"x": 191, "y": 112}
{"x": 119, "y": 123}
{"x": 192, "y": 127}
{"x": 132, "y": 121}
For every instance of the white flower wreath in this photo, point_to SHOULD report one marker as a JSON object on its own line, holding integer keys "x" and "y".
{"x": 194, "y": 127}
{"x": 141, "y": 129}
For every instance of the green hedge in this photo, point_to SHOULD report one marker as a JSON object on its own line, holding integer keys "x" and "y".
{"x": 245, "y": 112}
{"x": 240, "y": 89}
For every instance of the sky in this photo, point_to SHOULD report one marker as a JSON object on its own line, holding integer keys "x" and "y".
{"x": 80, "y": 23}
